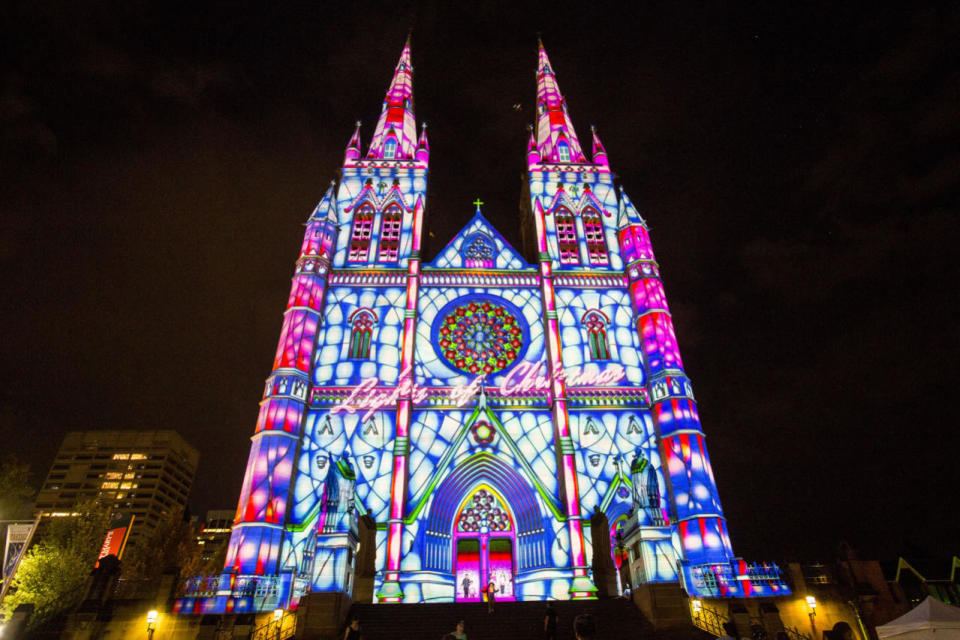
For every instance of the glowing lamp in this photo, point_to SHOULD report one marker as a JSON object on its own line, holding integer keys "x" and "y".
{"x": 697, "y": 606}
{"x": 812, "y": 605}
{"x": 277, "y": 615}
{"x": 152, "y": 616}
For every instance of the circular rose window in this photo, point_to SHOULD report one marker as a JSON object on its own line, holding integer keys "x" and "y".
{"x": 480, "y": 337}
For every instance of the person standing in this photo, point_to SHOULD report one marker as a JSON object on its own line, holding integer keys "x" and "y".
{"x": 352, "y": 632}
{"x": 550, "y": 623}
{"x": 584, "y": 627}
{"x": 458, "y": 633}
{"x": 466, "y": 586}
{"x": 491, "y": 596}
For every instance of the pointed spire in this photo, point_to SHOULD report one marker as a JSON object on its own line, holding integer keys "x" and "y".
{"x": 599, "y": 152}
{"x": 423, "y": 146}
{"x": 533, "y": 154}
{"x": 353, "y": 147}
{"x": 395, "y": 136}
{"x": 552, "y": 118}
{"x": 628, "y": 214}
{"x": 326, "y": 204}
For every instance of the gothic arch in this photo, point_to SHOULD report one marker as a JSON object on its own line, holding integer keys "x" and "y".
{"x": 484, "y": 468}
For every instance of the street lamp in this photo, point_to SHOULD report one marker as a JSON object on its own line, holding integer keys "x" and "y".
{"x": 151, "y": 623}
{"x": 278, "y": 618}
{"x": 812, "y": 607}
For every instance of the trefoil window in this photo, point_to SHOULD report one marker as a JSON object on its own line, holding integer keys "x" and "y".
{"x": 361, "y": 335}
{"x": 596, "y": 326}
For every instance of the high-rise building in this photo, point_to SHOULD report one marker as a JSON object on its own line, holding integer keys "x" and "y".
{"x": 146, "y": 473}
{"x": 480, "y": 407}
{"x": 214, "y": 532}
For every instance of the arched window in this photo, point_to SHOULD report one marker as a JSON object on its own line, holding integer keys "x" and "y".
{"x": 390, "y": 148}
{"x": 567, "y": 237}
{"x": 390, "y": 233}
{"x": 563, "y": 152}
{"x": 593, "y": 230}
{"x": 596, "y": 326}
{"x": 360, "y": 236}
{"x": 363, "y": 322}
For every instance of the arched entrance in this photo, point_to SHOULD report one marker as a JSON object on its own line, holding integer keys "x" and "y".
{"x": 484, "y": 537}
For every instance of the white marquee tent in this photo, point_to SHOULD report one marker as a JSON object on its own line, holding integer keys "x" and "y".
{"x": 929, "y": 620}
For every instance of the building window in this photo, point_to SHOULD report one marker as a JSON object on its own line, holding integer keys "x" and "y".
{"x": 593, "y": 230}
{"x": 360, "y": 237}
{"x": 567, "y": 237}
{"x": 390, "y": 233}
{"x": 596, "y": 326}
{"x": 390, "y": 149}
{"x": 362, "y": 332}
{"x": 563, "y": 152}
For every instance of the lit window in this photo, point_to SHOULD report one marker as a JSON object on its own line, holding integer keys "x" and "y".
{"x": 596, "y": 326}
{"x": 114, "y": 476}
{"x": 121, "y": 456}
{"x": 390, "y": 149}
{"x": 567, "y": 237}
{"x": 360, "y": 237}
{"x": 109, "y": 485}
{"x": 390, "y": 233}
{"x": 563, "y": 152}
{"x": 361, "y": 335}
{"x": 593, "y": 230}
{"x": 137, "y": 456}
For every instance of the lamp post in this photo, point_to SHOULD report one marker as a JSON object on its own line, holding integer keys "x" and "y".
{"x": 812, "y": 608}
{"x": 152, "y": 616}
{"x": 278, "y": 618}
{"x": 697, "y": 608}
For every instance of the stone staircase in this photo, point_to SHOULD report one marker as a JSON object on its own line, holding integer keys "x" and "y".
{"x": 616, "y": 619}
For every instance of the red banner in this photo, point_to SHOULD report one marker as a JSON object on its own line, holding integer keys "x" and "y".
{"x": 117, "y": 535}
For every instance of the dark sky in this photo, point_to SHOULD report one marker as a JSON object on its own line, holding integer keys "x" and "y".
{"x": 799, "y": 166}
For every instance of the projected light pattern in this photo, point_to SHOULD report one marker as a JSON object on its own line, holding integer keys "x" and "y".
{"x": 478, "y": 407}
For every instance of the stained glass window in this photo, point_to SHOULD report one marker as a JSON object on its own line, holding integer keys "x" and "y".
{"x": 390, "y": 149}
{"x": 593, "y": 230}
{"x": 360, "y": 237}
{"x": 596, "y": 326}
{"x": 567, "y": 237}
{"x": 563, "y": 152}
{"x": 484, "y": 513}
{"x": 390, "y": 233}
{"x": 363, "y": 322}
{"x": 480, "y": 337}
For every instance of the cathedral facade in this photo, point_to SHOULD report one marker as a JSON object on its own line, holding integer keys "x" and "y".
{"x": 479, "y": 409}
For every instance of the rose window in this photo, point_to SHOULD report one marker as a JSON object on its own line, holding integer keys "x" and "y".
{"x": 484, "y": 513}
{"x": 480, "y": 337}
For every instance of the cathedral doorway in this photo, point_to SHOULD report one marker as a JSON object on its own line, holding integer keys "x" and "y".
{"x": 483, "y": 546}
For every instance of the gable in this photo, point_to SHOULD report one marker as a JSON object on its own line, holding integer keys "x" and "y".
{"x": 479, "y": 246}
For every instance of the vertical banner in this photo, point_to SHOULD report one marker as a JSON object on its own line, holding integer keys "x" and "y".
{"x": 17, "y": 537}
{"x": 15, "y": 547}
{"x": 117, "y": 536}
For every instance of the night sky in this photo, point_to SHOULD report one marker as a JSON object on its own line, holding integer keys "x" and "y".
{"x": 799, "y": 166}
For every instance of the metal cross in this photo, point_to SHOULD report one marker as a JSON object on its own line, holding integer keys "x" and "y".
{"x": 478, "y": 202}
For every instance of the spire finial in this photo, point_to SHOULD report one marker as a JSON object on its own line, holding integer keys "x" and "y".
{"x": 479, "y": 203}
{"x": 556, "y": 139}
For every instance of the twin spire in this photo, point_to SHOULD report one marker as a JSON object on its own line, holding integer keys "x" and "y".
{"x": 553, "y": 141}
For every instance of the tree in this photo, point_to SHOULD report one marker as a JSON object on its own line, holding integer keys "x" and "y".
{"x": 54, "y": 571}
{"x": 15, "y": 489}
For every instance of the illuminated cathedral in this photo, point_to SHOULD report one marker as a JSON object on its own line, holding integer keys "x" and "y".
{"x": 478, "y": 408}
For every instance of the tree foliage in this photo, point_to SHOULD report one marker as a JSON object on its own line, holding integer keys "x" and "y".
{"x": 55, "y": 569}
{"x": 15, "y": 489}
